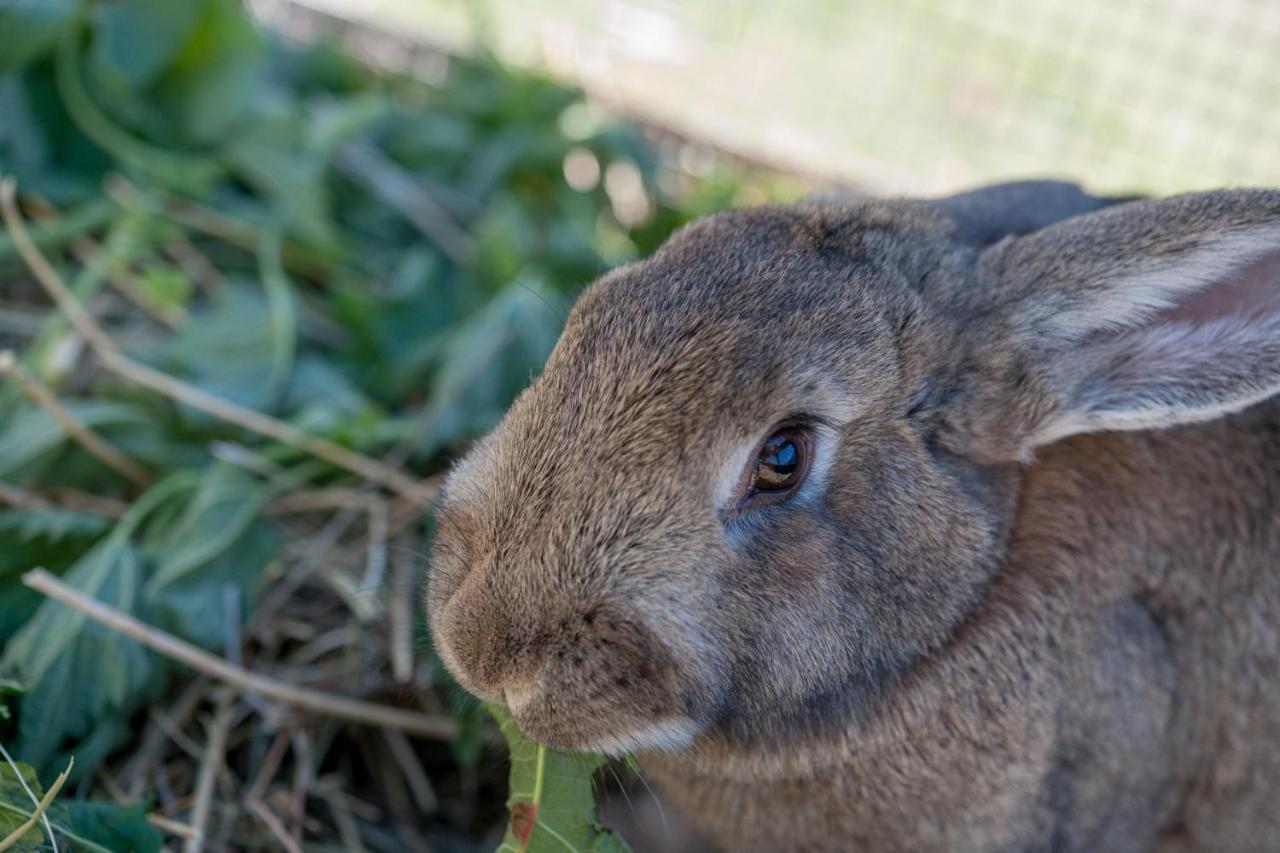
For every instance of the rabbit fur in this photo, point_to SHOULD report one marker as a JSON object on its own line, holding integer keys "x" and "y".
{"x": 1028, "y": 596}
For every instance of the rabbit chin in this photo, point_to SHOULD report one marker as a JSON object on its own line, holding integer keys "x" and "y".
{"x": 669, "y": 735}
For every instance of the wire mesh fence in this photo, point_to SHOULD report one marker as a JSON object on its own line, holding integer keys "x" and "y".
{"x": 921, "y": 95}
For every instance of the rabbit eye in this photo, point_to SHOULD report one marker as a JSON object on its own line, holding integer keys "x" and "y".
{"x": 781, "y": 463}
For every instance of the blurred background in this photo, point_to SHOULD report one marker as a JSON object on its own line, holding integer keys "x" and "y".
{"x": 267, "y": 268}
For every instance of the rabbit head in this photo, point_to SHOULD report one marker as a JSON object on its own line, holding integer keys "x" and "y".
{"x": 772, "y": 466}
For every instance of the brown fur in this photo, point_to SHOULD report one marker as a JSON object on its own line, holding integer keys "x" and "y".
{"x": 947, "y": 647}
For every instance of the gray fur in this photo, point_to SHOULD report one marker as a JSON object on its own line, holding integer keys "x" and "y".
{"x": 952, "y": 645}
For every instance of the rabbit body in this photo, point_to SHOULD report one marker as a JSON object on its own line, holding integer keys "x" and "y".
{"x": 1020, "y": 587}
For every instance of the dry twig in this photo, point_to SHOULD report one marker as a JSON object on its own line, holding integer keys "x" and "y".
{"x": 90, "y": 440}
{"x": 38, "y": 815}
{"x": 316, "y": 701}
{"x": 210, "y": 764}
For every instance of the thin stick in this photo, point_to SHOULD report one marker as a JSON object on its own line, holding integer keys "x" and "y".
{"x": 419, "y": 783}
{"x": 315, "y": 701}
{"x": 403, "y": 193}
{"x": 400, "y": 617}
{"x": 23, "y": 498}
{"x": 90, "y": 440}
{"x": 140, "y": 374}
{"x": 172, "y": 827}
{"x": 273, "y": 823}
{"x": 210, "y": 765}
{"x": 38, "y": 815}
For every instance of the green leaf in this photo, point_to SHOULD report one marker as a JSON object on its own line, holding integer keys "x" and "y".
{"x": 164, "y": 287}
{"x": 217, "y": 74}
{"x": 105, "y": 825}
{"x": 31, "y": 28}
{"x": 16, "y": 805}
{"x": 78, "y": 826}
{"x": 10, "y": 693}
{"x": 77, "y": 672}
{"x": 135, "y": 40}
{"x": 216, "y": 540}
{"x": 229, "y": 345}
{"x": 180, "y": 170}
{"x": 33, "y": 432}
{"x": 53, "y": 524}
{"x": 551, "y": 804}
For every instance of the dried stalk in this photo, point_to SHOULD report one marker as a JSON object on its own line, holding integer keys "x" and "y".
{"x": 90, "y": 440}
{"x": 212, "y": 761}
{"x": 38, "y": 815}
{"x": 315, "y": 701}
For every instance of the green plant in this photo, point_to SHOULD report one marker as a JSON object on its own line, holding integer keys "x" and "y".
{"x": 369, "y": 262}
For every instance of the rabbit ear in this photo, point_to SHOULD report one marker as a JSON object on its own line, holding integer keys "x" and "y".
{"x": 990, "y": 213}
{"x": 1146, "y": 315}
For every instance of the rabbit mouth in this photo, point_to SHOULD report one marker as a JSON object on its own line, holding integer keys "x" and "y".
{"x": 599, "y": 730}
{"x": 670, "y": 735}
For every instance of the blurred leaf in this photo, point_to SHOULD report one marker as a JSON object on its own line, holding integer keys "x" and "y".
{"x": 33, "y": 432}
{"x": 54, "y": 524}
{"x": 164, "y": 287}
{"x": 135, "y": 40}
{"x": 186, "y": 171}
{"x": 216, "y": 540}
{"x": 551, "y": 804}
{"x": 78, "y": 825}
{"x": 77, "y": 672}
{"x": 10, "y": 695}
{"x": 106, "y": 825}
{"x": 22, "y": 144}
{"x": 16, "y": 805}
{"x": 280, "y": 309}
{"x": 217, "y": 73}
{"x": 228, "y": 346}
{"x": 271, "y": 156}
{"x": 31, "y": 28}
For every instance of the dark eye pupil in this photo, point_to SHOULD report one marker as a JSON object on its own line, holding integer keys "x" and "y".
{"x": 778, "y": 466}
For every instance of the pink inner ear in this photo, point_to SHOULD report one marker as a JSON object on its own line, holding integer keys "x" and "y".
{"x": 1250, "y": 294}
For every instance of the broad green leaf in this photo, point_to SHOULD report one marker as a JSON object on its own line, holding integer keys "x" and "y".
{"x": 217, "y": 74}
{"x": 77, "y": 672}
{"x": 228, "y": 346}
{"x": 135, "y": 40}
{"x": 217, "y": 539}
{"x": 31, "y": 27}
{"x": 105, "y": 825}
{"x": 551, "y": 803}
{"x": 216, "y": 515}
{"x": 188, "y": 171}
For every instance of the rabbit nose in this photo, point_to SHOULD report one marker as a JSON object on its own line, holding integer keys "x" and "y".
{"x": 490, "y": 652}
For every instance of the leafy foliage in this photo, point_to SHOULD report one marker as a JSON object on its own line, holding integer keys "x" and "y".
{"x": 379, "y": 262}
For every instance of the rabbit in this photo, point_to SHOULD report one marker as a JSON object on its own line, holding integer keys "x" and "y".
{"x": 903, "y": 525}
